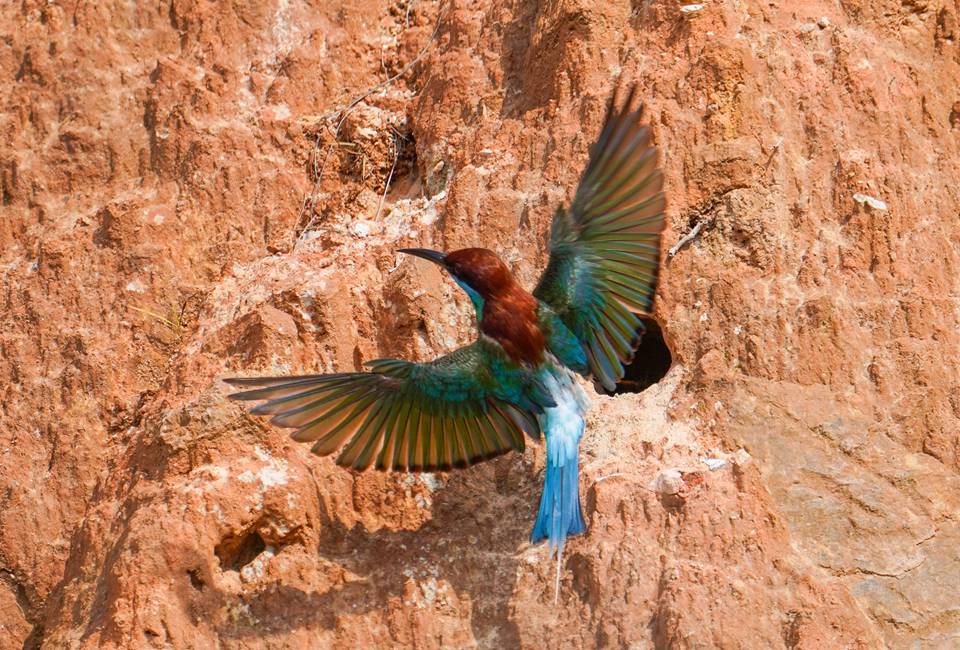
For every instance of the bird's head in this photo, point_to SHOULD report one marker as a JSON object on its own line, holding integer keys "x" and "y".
{"x": 478, "y": 271}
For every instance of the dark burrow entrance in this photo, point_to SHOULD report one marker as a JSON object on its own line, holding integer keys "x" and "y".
{"x": 650, "y": 362}
{"x": 237, "y": 551}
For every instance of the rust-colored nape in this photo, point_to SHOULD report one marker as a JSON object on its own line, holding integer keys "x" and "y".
{"x": 509, "y": 312}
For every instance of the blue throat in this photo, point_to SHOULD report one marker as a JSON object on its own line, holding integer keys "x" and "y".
{"x": 475, "y": 297}
{"x": 560, "y": 515}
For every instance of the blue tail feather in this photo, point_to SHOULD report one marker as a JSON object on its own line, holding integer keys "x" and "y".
{"x": 560, "y": 515}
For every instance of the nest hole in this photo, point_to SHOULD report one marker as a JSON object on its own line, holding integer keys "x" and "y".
{"x": 405, "y": 181}
{"x": 196, "y": 579}
{"x": 237, "y": 551}
{"x": 651, "y": 361}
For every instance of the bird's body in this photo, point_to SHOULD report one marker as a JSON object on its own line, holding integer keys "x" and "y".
{"x": 519, "y": 376}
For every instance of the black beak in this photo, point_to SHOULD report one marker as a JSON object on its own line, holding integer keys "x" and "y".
{"x": 434, "y": 256}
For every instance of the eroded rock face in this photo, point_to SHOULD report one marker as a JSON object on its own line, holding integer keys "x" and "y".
{"x": 184, "y": 197}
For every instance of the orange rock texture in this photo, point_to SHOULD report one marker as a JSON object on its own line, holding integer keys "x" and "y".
{"x": 191, "y": 190}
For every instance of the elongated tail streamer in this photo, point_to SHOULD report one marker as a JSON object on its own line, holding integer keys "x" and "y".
{"x": 560, "y": 515}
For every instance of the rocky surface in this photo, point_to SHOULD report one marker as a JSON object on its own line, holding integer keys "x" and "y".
{"x": 189, "y": 190}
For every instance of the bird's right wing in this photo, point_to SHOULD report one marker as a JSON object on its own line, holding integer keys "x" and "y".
{"x": 459, "y": 409}
{"x": 605, "y": 250}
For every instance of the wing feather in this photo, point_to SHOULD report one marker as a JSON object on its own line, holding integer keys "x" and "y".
{"x": 464, "y": 407}
{"x": 605, "y": 250}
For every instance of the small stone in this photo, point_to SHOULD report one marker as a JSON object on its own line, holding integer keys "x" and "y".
{"x": 668, "y": 482}
{"x": 823, "y": 23}
{"x": 876, "y": 204}
{"x": 713, "y": 366}
{"x": 713, "y": 464}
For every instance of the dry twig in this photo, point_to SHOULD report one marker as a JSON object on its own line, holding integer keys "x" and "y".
{"x": 689, "y": 237}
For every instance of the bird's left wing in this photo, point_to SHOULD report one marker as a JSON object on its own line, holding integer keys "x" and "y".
{"x": 605, "y": 250}
{"x": 459, "y": 409}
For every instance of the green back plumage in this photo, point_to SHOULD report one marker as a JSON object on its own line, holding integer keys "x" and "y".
{"x": 562, "y": 343}
{"x": 466, "y": 406}
{"x": 605, "y": 250}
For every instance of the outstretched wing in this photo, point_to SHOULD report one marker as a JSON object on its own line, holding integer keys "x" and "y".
{"x": 605, "y": 250}
{"x": 459, "y": 409}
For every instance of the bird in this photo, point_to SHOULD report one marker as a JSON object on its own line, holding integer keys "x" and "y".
{"x": 518, "y": 379}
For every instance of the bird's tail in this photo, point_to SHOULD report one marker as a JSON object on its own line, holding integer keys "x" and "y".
{"x": 560, "y": 515}
{"x": 563, "y": 425}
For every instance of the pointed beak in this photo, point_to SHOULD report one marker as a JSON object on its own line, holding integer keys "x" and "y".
{"x": 434, "y": 256}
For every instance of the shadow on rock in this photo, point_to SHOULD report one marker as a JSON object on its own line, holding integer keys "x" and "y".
{"x": 463, "y": 561}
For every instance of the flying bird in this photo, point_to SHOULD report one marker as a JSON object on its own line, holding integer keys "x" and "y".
{"x": 518, "y": 378}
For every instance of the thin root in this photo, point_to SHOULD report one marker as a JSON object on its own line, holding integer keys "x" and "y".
{"x": 386, "y": 186}
{"x": 604, "y": 478}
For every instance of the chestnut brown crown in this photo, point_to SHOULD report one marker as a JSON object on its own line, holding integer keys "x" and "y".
{"x": 482, "y": 269}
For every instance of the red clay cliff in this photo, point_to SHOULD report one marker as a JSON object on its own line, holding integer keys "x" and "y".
{"x": 184, "y": 196}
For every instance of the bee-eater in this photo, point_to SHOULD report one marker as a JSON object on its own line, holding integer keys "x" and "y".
{"x": 518, "y": 376}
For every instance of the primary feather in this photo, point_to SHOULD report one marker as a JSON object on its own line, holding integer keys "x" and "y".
{"x": 605, "y": 250}
{"x": 472, "y": 404}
